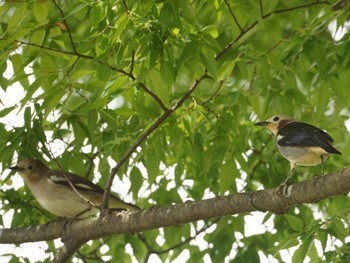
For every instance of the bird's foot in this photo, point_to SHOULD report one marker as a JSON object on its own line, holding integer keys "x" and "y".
{"x": 285, "y": 189}
{"x": 68, "y": 221}
{"x": 111, "y": 211}
{"x": 116, "y": 211}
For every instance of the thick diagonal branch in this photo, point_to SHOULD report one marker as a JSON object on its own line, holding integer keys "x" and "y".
{"x": 145, "y": 135}
{"x": 310, "y": 191}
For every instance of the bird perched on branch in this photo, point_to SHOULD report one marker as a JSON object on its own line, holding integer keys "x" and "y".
{"x": 65, "y": 194}
{"x": 299, "y": 142}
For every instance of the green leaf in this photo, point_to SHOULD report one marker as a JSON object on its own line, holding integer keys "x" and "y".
{"x": 227, "y": 177}
{"x": 104, "y": 72}
{"x": 287, "y": 242}
{"x": 38, "y": 37}
{"x": 216, "y": 65}
{"x": 339, "y": 85}
{"x": 30, "y": 91}
{"x": 338, "y": 229}
{"x": 56, "y": 33}
{"x": 188, "y": 52}
{"x": 79, "y": 133}
{"x": 208, "y": 59}
{"x": 167, "y": 72}
{"x": 295, "y": 222}
{"x": 165, "y": 17}
{"x": 322, "y": 99}
{"x": 6, "y": 111}
{"x": 152, "y": 165}
{"x": 18, "y": 68}
{"x": 300, "y": 254}
{"x": 28, "y": 118}
{"x": 136, "y": 181}
{"x": 92, "y": 121}
{"x": 313, "y": 254}
{"x": 321, "y": 235}
{"x": 52, "y": 99}
{"x": 95, "y": 14}
{"x": 15, "y": 20}
{"x": 40, "y": 11}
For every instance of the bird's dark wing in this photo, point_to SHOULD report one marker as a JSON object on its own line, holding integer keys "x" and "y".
{"x": 82, "y": 184}
{"x": 79, "y": 182}
{"x": 299, "y": 134}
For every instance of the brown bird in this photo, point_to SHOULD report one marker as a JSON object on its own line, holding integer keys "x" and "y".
{"x": 69, "y": 198}
{"x": 299, "y": 142}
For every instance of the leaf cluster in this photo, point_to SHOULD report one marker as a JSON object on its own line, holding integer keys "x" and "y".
{"x": 190, "y": 78}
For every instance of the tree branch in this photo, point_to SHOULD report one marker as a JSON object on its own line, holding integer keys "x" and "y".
{"x": 67, "y": 26}
{"x": 168, "y": 112}
{"x": 144, "y": 136}
{"x": 233, "y": 16}
{"x": 178, "y": 245}
{"x": 53, "y": 49}
{"x": 261, "y": 8}
{"x": 245, "y": 30}
{"x": 124, "y": 222}
{"x": 67, "y": 251}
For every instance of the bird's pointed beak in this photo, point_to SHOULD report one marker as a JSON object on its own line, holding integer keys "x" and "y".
{"x": 16, "y": 168}
{"x": 263, "y": 123}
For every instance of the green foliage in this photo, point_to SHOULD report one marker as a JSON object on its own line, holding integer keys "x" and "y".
{"x": 97, "y": 75}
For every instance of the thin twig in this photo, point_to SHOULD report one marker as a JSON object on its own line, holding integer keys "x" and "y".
{"x": 214, "y": 94}
{"x": 229, "y": 45}
{"x": 53, "y": 49}
{"x": 178, "y": 245}
{"x": 132, "y": 62}
{"x": 92, "y": 204}
{"x": 252, "y": 80}
{"x": 297, "y": 7}
{"x": 233, "y": 16}
{"x": 129, "y": 74}
{"x": 66, "y": 24}
{"x": 261, "y": 8}
{"x": 68, "y": 249}
{"x": 144, "y": 136}
{"x": 153, "y": 95}
{"x": 126, "y": 6}
{"x": 142, "y": 86}
{"x": 91, "y": 159}
{"x": 168, "y": 112}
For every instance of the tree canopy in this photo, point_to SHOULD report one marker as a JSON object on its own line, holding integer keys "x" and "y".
{"x": 159, "y": 99}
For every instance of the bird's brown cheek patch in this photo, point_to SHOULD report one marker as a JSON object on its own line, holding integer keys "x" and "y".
{"x": 273, "y": 128}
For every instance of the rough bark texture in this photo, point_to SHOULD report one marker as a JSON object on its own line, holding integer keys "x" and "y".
{"x": 77, "y": 232}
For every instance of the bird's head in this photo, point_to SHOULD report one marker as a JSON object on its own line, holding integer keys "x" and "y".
{"x": 275, "y": 123}
{"x": 30, "y": 169}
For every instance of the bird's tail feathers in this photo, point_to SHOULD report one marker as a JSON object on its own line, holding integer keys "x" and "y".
{"x": 115, "y": 202}
{"x": 331, "y": 149}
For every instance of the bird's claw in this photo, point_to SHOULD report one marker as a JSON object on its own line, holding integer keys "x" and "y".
{"x": 285, "y": 189}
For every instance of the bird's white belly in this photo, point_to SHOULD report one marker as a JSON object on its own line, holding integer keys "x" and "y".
{"x": 59, "y": 200}
{"x": 305, "y": 156}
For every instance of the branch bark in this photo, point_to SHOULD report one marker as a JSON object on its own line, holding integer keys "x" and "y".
{"x": 80, "y": 231}
{"x": 144, "y": 136}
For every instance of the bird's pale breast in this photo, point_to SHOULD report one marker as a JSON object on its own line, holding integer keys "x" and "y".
{"x": 305, "y": 156}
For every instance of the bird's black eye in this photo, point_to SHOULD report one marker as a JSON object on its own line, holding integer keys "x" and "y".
{"x": 29, "y": 167}
{"x": 276, "y": 118}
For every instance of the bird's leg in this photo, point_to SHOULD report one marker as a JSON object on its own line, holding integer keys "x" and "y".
{"x": 292, "y": 169}
{"x": 70, "y": 220}
{"x": 284, "y": 187}
{"x": 81, "y": 213}
{"x": 322, "y": 165}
